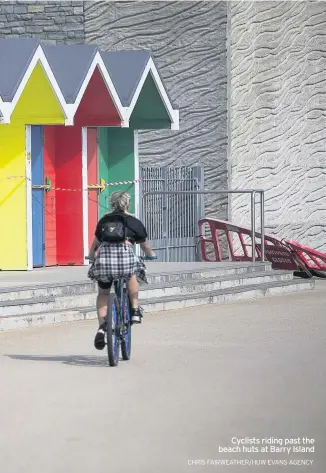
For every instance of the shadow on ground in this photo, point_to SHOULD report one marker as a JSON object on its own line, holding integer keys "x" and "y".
{"x": 72, "y": 360}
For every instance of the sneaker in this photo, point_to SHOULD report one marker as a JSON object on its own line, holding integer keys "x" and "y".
{"x": 136, "y": 315}
{"x": 99, "y": 341}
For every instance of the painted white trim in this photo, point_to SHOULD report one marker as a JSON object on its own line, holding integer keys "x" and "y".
{"x": 98, "y": 62}
{"x": 85, "y": 193}
{"x": 6, "y": 112}
{"x": 2, "y": 118}
{"x": 176, "y": 124}
{"x": 136, "y": 176}
{"x": 29, "y": 213}
{"x": 40, "y": 57}
{"x": 136, "y": 172}
{"x": 151, "y": 69}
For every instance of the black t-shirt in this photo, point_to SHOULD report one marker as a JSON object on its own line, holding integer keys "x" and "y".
{"x": 135, "y": 230}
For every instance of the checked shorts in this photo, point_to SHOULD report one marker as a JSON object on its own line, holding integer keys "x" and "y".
{"x": 116, "y": 260}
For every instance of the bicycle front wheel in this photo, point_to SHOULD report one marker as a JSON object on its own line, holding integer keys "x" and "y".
{"x": 113, "y": 330}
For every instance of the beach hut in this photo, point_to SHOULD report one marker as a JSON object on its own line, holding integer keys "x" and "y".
{"x": 69, "y": 120}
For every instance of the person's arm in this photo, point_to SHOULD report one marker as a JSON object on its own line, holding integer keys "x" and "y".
{"x": 141, "y": 237}
{"x": 145, "y": 246}
{"x": 93, "y": 249}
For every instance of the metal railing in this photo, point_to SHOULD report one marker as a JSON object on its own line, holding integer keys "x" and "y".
{"x": 251, "y": 192}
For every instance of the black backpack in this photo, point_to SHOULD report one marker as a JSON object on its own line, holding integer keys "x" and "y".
{"x": 114, "y": 228}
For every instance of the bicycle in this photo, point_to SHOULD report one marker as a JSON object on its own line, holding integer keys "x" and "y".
{"x": 118, "y": 321}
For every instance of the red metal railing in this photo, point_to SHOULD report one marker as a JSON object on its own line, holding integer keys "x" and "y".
{"x": 312, "y": 259}
{"x": 216, "y": 227}
{"x": 283, "y": 254}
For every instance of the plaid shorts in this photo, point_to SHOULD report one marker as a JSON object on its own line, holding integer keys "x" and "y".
{"x": 115, "y": 261}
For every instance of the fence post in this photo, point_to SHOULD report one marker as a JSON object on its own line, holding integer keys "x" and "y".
{"x": 262, "y": 224}
{"x": 253, "y": 226}
{"x": 200, "y": 206}
{"x": 165, "y": 214}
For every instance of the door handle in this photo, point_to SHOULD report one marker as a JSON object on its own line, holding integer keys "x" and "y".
{"x": 46, "y": 186}
{"x": 100, "y": 186}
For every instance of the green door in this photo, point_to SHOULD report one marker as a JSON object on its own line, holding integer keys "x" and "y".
{"x": 116, "y": 163}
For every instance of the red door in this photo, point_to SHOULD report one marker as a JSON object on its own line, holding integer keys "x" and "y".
{"x": 50, "y": 197}
{"x": 93, "y": 178}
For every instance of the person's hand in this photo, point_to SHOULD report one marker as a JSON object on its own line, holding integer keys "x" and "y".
{"x": 150, "y": 257}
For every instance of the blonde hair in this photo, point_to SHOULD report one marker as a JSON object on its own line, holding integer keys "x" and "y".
{"x": 120, "y": 201}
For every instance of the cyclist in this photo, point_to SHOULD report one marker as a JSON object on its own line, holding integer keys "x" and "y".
{"x": 113, "y": 257}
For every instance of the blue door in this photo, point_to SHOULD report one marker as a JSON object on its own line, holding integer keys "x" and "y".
{"x": 38, "y": 195}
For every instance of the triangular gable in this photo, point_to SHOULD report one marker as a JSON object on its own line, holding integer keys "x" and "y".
{"x": 149, "y": 111}
{"x": 38, "y": 104}
{"x": 149, "y": 78}
{"x": 130, "y": 72}
{"x": 126, "y": 69}
{"x": 96, "y": 107}
{"x": 36, "y": 60}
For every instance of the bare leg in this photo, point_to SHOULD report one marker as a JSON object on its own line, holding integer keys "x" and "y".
{"x": 102, "y": 304}
{"x": 102, "y": 308}
{"x": 133, "y": 286}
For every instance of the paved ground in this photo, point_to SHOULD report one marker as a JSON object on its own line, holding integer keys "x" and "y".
{"x": 197, "y": 378}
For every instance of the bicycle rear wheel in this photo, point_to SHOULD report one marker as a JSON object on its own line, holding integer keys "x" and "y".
{"x": 126, "y": 329}
{"x": 113, "y": 330}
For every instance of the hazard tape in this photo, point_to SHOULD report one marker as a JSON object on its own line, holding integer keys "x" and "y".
{"x": 12, "y": 177}
{"x": 90, "y": 186}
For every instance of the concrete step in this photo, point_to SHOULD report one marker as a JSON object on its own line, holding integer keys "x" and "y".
{"x": 244, "y": 292}
{"x": 75, "y": 288}
{"x": 207, "y": 272}
{"x": 212, "y": 284}
{"x": 153, "y": 291}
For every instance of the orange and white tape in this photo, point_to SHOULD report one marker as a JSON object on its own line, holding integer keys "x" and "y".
{"x": 95, "y": 186}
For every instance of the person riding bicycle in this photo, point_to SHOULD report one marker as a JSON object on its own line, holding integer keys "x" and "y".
{"x": 113, "y": 257}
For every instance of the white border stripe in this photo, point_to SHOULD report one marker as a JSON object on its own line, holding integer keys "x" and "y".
{"x": 85, "y": 193}
{"x": 136, "y": 178}
{"x": 136, "y": 172}
{"x": 29, "y": 213}
{"x": 1, "y": 114}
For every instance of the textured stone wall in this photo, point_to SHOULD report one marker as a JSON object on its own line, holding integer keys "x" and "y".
{"x": 51, "y": 21}
{"x": 278, "y": 114}
{"x": 188, "y": 40}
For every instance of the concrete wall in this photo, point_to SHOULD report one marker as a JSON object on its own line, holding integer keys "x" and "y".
{"x": 188, "y": 40}
{"x": 278, "y": 114}
{"x": 51, "y": 21}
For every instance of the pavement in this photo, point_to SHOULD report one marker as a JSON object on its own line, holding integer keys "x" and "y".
{"x": 200, "y": 379}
